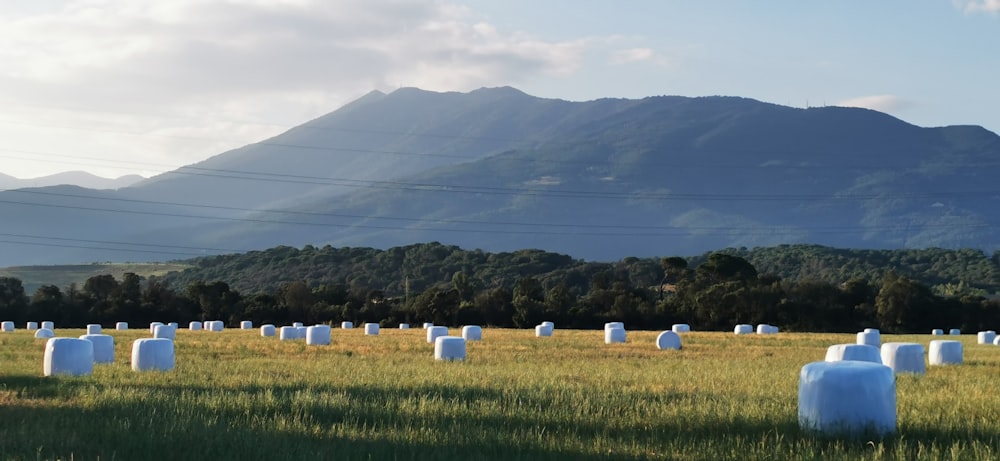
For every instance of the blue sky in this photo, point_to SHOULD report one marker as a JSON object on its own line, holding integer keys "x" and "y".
{"x": 143, "y": 86}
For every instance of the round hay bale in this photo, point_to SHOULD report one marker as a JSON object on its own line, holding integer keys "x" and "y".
{"x": 996, "y": 341}
{"x": 48, "y": 325}
{"x": 346, "y": 325}
{"x": 246, "y": 325}
{"x": 614, "y": 335}
{"x": 297, "y": 324}
{"x": 743, "y": 329}
{"x": 610, "y": 325}
{"x": 318, "y": 335}
{"x": 853, "y": 352}
{"x": 44, "y": 333}
{"x": 449, "y": 348}
{"x": 472, "y": 333}
{"x": 937, "y": 332}
{"x": 371, "y": 329}
{"x": 668, "y": 340}
{"x": 31, "y": 326}
{"x": 121, "y": 326}
{"x": 300, "y": 332}
{"x": 553, "y": 326}
{"x": 871, "y": 338}
{"x": 152, "y": 354}
{"x": 68, "y": 356}
{"x": 954, "y": 332}
{"x": 904, "y": 357}
{"x": 428, "y": 325}
{"x": 288, "y": 333}
{"x": 93, "y": 329}
{"x": 986, "y": 337}
{"x": 267, "y": 330}
{"x": 434, "y": 332}
{"x": 764, "y": 329}
{"x": 104, "y": 347}
{"x": 215, "y": 326}
{"x": 7, "y": 326}
{"x": 847, "y": 398}
{"x": 872, "y": 330}
{"x": 174, "y": 325}
{"x": 680, "y": 328}
{"x": 195, "y": 326}
{"x": 543, "y": 331}
{"x": 165, "y": 332}
{"x": 404, "y": 326}
{"x": 945, "y": 352}
{"x": 153, "y": 325}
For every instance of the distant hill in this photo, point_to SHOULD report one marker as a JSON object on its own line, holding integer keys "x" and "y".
{"x": 73, "y": 178}
{"x": 500, "y": 170}
{"x": 63, "y": 276}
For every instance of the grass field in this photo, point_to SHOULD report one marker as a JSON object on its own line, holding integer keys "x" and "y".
{"x": 235, "y": 395}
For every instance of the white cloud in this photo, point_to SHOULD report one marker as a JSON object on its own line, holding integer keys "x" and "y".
{"x": 881, "y": 102}
{"x": 978, "y": 6}
{"x": 636, "y": 55}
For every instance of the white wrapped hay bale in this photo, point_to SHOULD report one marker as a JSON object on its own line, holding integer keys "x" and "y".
{"x": 543, "y": 331}
{"x": 945, "y": 352}
{"x": 954, "y": 332}
{"x": 267, "y": 330}
{"x": 872, "y": 330}
{"x": 297, "y": 324}
{"x": 152, "y": 354}
{"x": 195, "y": 326}
{"x": 371, "y": 329}
{"x": 668, "y": 340}
{"x": 552, "y": 326}
{"x": 614, "y": 335}
{"x": 765, "y": 329}
{"x": 174, "y": 325}
{"x": 7, "y": 326}
{"x": 610, "y": 325}
{"x": 318, "y": 335}
{"x": 93, "y": 329}
{"x": 449, "y": 348}
{"x": 48, "y": 325}
{"x": 165, "y": 332}
{"x": 44, "y": 333}
{"x": 121, "y": 326}
{"x": 288, "y": 333}
{"x": 404, "y": 326}
{"x": 31, "y": 326}
{"x": 986, "y": 337}
{"x": 434, "y": 332}
{"x": 104, "y": 347}
{"x": 904, "y": 357}
{"x": 216, "y": 326}
{"x": 346, "y": 325}
{"x": 996, "y": 341}
{"x": 743, "y": 329}
{"x": 680, "y": 328}
{"x": 153, "y": 325}
{"x": 853, "y": 352}
{"x": 871, "y": 338}
{"x": 937, "y": 332}
{"x": 472, "y": 333}
{"x": 300, "y": 332}
{"x": 246, "y": 325}
{"x": 847, "y": 398}
{"x": 428, "y": 325}
{"x": 68, "y": 356}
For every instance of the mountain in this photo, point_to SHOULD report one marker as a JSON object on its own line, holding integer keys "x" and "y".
{"x": 501, "y": 170}
{"x": 75, "y": 178}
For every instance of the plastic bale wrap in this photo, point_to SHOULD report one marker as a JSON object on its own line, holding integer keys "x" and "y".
{"x": 847, "y": 398}
{"x": 871, "y": 338}
{"x": 7, "y": 326}
{"x": 346, "y": 325}
{"x": 449, "y": 348}
{"x": 93, "y": 329}
{"x": 904, "y": 357}
{"x": 543, "y": 331}
{"x": 297, "y": 324}
{"x": 553, "y": 326}
{"x": 404, "y": 326}
{"x": 287, "y": 333}
{"x": 937, "y": 332}
{"x": 153, "y": 325}
{"x": 195, "y": 326}
{"x": 44, "y": 333}
{"x": 31, "y": 326}
{"x": 300, "y": 332}
{"x": 246, "y": 325}
{"x": 428, "y": 325}
{"x": 68, "y": 356}
{"x": 104, "y": 347}
{"x": 48, "y": 325}
{"x": 152, "y": 354}
{"x": 872, "y": 330}
{"x": 680, "y": 328}
{"x": 216, "y": 326}
{"x": 944, "y": 352}
{"x": 668, "y": 340}
{"x": 764, "y": 329}
{"x": 165, "y": 332}
{"x": 996, "y": 341}
{"x": 121, "y": 326}
{"x": 853, "y": 352}
{"x": 267, "y": 330}
{"x": 472, "y": 333}
{"x": 610, "y": 325}
{"x": 371, "y": 329}
{"x": 954, "y": 332}
{"x": 434, "y": 332}
{"x": 318, "y": 335}
{"x": 174, "y": 324}
{"x": 614, "y": 335}
{"x": 743, "y": 329}
{"x": 985, "y": 337}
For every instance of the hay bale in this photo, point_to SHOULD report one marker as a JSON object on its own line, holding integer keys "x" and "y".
{"x": 153, "y": 354}
{"x": 404, "y": 326}
{"x": 937, "y": 332}
{"x": 996, "y": 341}
{"x": 945, "y": 352}
{"x": 472, "y": 333}
{"x": 954, "y": 332}
{"x": 31, "y": 326}
{"x": 174, "y": 325}
{"x": 300, "y": 332}
{"x": 371, "y": 329}
{"x": 743, "y": 329}
{"x": 318, "y": 335}
{"x": 267, "y": 330}
{"x": 44, "y": 333}
{"x": 610, "y": 325}
{"x": 68, "y": 356}
{"x": 434, "y": 332}
{"x": 552, "y": 326}
{"x": 853, "y": 352}
{"x": 847, "y": 398}
{"x": 297, "y": 324}
{"x": 428, "y": 325}
{"x": 614, "y": 335}
{"x": 48, "y": 325}
{"x": 104, "y": 347}
{"x": 543, "y": 331}
{"x": 153, "y": 325}
{"x": 121, "y": 326}
{"x": 165, "y": 332}
{"x": 765, "y": 329}
{"x": 288, "y": 333}
{"x": 195, "y": 326}
{"x": 449, "y": 348}
{"x": 346, "y": 325}
{"x": 246, "y": 325}
{"x": 668, "y": 340}
{"x": 904, "y": 357}
{"x": 680, "y": 328}
{"x": 93, "y": 329}
{"x": 986, "y": 337}
{"x": 871, "y": 338}
{"x": 872, "y": 330}
{"x": 7, "y": 326}
{"x": 215, "y": 326}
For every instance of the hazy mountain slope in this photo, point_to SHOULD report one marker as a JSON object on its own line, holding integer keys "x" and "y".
{"x": 71, "y": 178}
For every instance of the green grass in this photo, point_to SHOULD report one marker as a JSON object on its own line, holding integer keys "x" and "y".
{"x": 62, "y": 276}
{"x": 235, "y": 395}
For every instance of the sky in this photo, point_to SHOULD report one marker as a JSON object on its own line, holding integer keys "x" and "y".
{"x": 117, "y": 87}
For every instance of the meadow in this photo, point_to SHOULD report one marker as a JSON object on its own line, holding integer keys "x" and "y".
{"x": 236, "y": 395}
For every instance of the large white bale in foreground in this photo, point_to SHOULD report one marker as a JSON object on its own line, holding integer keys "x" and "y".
{"x": 743, "y": 329}
{"x": 543, "y": 331}
{"x": 668, "y": 340}
{"x": 246, "y": 325}
{"x": 371, "y": 329}
{"x": 954, "y": 332}
{"x": 472, "y": 333}
{"x": 121, "y": 326}
{"x": 153, "y": 325}
{"x": 904, "y": 357}
{"x": 104, "y": 347}
{"x": 318, "y": 335}
{"x": 614, "y": 335}
{"x": 165, "y": 332}
{"x": 449, "y": 348}
{"x": 945, "y": 352}
{"x": 680, "y": 328}
{"x": 152, "y": 354}
{"x": 986, "y": 337}
{"x": 346, "y": 325}
{"x": 195, "y": 326}
{"x": 937, "y": 332}
{"x": 68, "y": 356}
{"x": 853, "y": 352}
{"x": 847, "y": 398}
{"x": 871, "y": 338}
{"x": 267, "y": 330}
{"x": 288, "y": 333}
{"x": 434, "y": 332}
{"x": 7, "y": 326}
{"x": 404, "y": 326}
{"x": 48, "y": 325}
{"x": 31, "y": 326}
{"x": 44, "y": 333}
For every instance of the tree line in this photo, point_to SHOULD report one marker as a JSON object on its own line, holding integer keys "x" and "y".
{"x": 449, "y": 286}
